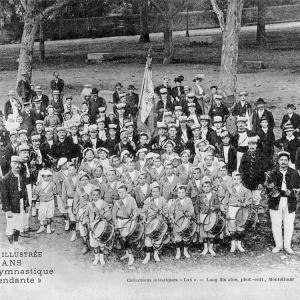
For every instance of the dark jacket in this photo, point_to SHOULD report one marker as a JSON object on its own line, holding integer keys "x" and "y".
{"x": 253, "y": 167}
{"x": 59, "y": 85}
{"x": 160, "y": 108}
{"x": 266, "y": 142}
{"x": 8, "y": 109}
{"x": 45, "y": 102}
{"x": 24, "y": 90}
{"x": 221, "y": 111}
{"x": 10, "y": 194}
{"x": 256, "y": 120}
{"x": 292, "y": 179}
{"x": 289, "y": 146}
{"x": 232, "y": 161}
{"x": 239, "y": 110}
{"x": 294, "y": 120}
{"x": 175, "y": 91}
{"x": 93, "y": 108}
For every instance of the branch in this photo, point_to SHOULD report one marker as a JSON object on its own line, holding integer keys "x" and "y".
{"x": 57, "y": 5}
{"x": 154, "y": 3}
{"x": 219, "y": 14}
{"x": 23, "y": 3}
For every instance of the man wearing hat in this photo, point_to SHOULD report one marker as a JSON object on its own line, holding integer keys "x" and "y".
{"x": 227, "y": 152}
{"x": 240, "y": 139}
{"x": 112, "y": 138}
{"x": 117, "y": 92}
{"x": 169, "y": 181}
{"x": 198, "y": 89}
{"x": 291, "y": 118}
{"x": 164, "y": 104}
{"x": 259, "y": 113}
{"x": 289, "y": 143}
{"x": 95, "y": 103}
{"x": 40, "y": 98}
{"x": 178, "y": 91}
{"x": 158, "y": 140}
{"x": 57, "y": 83}
{"x": 283, "y": 206}
{"x": 48, "y": 154}
{"x": 28, "y": 118}
{"x": 38, "y": 111}
{"x": 39, "y": 129}
{"x": 218, "y": 108}
{"x": 165, "y": 85}
{"x": 62, "y": 146}
{"x": 173, "y": 135}
{"x": 132, "y": 99}
{"x": 14, "y": 201}
{"x": 124, "y": 144}
{"x": 141, "y": 191}
{"x": 242, "y": 107}
{"x": 57, "y": 103}
{"x": 23, "y": 88}
{"x": 253, "y": 167}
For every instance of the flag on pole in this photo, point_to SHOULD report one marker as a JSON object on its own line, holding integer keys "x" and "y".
{"x": 145, "y": 120}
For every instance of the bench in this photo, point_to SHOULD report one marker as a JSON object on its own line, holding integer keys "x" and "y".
{"x": 98, "y": 57}
{"x": 254, "y": 64}
{"x": 201, "y": 39}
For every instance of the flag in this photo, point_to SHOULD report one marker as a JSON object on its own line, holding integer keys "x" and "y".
{"x": 146, "y": 118}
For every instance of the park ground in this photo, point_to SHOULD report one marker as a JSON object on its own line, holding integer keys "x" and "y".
{"x": 75, "y": 277}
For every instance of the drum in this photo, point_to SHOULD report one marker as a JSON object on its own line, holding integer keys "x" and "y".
{"x": 103, "y": 231}
{"x": 214, "y": 223}
{"x": 246, "y": 217}
{"x": 185, "y": 227}
{"x": 156, "y": 229}
{"x": 132, "y": 231}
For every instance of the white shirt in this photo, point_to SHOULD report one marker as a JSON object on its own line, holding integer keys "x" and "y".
{"x": 74, "y": 179}
{"x": 225, "y": 151}
{"x": 75, "y": 139}
{"x": 132, "y": 175}
{"x": 159, "y": 169}
{"x": 283, "y": 185}
{"x": 144, "y": 189}
{"x": 142, "y": 163}
{"x": 198, "y": 183}
{"x": 243, "y": 139}
{"x": 156, "y": 201}
{"x": 204, "y": 132}
{"x": 88, "y": 188}
{"x": 50, "y": 143}
{"x": 170, "y": 178}
{"x": 260, "y": 113}
{"x": 186, "y": 166}
{"x": 94, "y": 142}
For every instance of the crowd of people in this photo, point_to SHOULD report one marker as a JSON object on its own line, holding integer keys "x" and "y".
{"x": 193, "y": 180}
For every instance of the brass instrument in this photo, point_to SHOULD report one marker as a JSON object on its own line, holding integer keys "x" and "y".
{"x": 273, "y": 190}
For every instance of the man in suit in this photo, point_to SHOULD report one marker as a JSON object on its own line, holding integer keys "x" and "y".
{"x": 23, "y": 88}
{"x": 58, "y": 104}
{"x": 259, "y": 113}
{"x": 14, "y": 201}
{"x": 132, "y": 100}
{"x": 283, "y": 206}
{"x": 291, "y": 118}
{"x": 164, "y": 104}
{"x": 242, "y": 107}
{"x": 48, "y": 154}
{"x": 95, "y": 103}
{"x": 41, "y": 98}
{"x": 178, "y": 90}
{"x": 38, "y": 112}
{"x": 28, "y": 118}
{"x": 57, "y": 83}
{"x": 228, "y": 152}
{"x": 165, "y": 85}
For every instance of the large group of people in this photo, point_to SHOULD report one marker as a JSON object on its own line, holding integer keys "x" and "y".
{"x": 192, "y": 180}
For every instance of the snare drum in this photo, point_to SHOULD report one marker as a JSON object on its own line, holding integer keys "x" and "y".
{"x": 156, "y": 229}
{"x": 132, "y": 231}
{"x": 214, "y": 223}
{"x": 185, "y": 227}
{"x": 246, "y": 217}
{"x": 103, "y": 231}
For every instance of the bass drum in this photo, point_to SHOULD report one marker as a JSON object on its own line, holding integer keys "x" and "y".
{"x": 185, "y": 227}
{"x": 134, "y": 231}
{"x": 214, "y": 223}
{"x": 103, "y": 231}
{"x": 246, "y": 217}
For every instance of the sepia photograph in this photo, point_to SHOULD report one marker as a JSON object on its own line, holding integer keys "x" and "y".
{"x": 149, "y": 149}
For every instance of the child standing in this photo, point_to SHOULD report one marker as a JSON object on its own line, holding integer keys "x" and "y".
{"x": 44, "y": 193}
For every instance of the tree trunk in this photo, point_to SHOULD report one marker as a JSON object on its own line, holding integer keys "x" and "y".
{"x": 261, "y": 38}
{"x": 42, "y": 41}
{"x": 27, "y": 45}
{"x": 168, "y": 40}
{"x": 230, "y": 45}
{"x": 144, "y": 28}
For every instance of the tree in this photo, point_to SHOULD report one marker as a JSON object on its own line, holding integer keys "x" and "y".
{"x": 230, "y": 44}
{"x": 144, "y": 28}
{"x": 261, "y": 37}
{"x": 34, "y": 12}
{"x": 168, "y": 9}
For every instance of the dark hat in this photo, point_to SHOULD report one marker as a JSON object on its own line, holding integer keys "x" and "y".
{"x": 132, "y": 87}
{"x": 264, "y": 118}
{"x": 69, "y": 97}
{"x": 179, "y": 78}
{"x": 119, "y": 84}
{"x": 260, "y": 101}
{"x": 94, "y": 91}
{"x": 291, "y": 106}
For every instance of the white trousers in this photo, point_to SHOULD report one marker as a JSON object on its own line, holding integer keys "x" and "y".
{"x": 60, "y": 205}
{"x": 46, "y": 211}
{"x": 16, "y": 222}
{"x": 279, "y": 216}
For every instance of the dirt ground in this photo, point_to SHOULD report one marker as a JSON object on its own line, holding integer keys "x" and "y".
{"x": 75, "y": 277}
